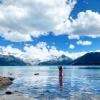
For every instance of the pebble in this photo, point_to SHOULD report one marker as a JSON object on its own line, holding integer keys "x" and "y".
{"x": 8, "y": 92}
{"x": 36, "y": 74}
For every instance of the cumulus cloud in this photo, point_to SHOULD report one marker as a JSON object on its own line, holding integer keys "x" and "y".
{"x": 80, "y": 42}
{"x": 10, "y": 50}
{"x": 86, "y": 24}
{"x": 71, "y": 46}
{"x": 17, "y": 37}
{"x": 73, "y": 37}
{"x": 40, "y": 51}
{"x": 34, "y": 17}
{"x": 25, "y": 18}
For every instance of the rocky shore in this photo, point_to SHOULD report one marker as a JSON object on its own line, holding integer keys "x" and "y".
{"x": 5, "y": 81}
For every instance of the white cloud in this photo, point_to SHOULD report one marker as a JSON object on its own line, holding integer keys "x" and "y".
{"x": 34, "y": 17}
{"x": 37, "y": 52}
{"x": 71, "y": 46}
{"x": 74, "y": 55}
{"x": 41, "y": 51}
{"x": 41, "y": 45}
{"x": 80, "y": 42}
{"x": 86, "y": 24}
{"x": 10, "y": 50}
{"x": 26, "y": 18}
{"x": 74, "y": 36}
{"x": 17, "y": 37}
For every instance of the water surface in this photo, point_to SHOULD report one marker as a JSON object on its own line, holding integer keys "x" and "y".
{"x": 76, "y": 84}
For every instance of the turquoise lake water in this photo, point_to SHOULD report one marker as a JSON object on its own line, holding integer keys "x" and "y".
{"x": 77, "y": 81}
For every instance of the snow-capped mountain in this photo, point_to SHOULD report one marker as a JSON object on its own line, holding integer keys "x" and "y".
{"x": 62, "y": 60}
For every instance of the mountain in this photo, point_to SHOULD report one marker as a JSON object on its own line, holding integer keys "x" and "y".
{"x": 9, "y": 60}
{"x": 92, "y": 58}
{"x": 62, "y": 60}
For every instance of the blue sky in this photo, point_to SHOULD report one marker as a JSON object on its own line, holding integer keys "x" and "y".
{"x": 84, "y": 5}
{"x": 68, "y": 28}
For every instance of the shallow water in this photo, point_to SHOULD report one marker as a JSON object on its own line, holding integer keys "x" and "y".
{"x": 76, "y": 84}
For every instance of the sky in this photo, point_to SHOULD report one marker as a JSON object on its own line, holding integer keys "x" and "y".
{"x": 42, "y": 29}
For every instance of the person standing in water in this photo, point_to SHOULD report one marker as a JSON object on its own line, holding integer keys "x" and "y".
{"x": 60, "y": 71}
{"x": 61, "y": 76}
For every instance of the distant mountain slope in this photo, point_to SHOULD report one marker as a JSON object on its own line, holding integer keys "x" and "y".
{"x": 9, "y": 60}
{"x": 62, "y": 60}
{"x": 92, "y": 58}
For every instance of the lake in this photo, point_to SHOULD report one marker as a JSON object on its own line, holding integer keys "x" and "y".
{"x": 78, "y": 83}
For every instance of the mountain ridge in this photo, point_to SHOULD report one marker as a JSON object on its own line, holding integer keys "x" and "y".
{"x": 91, "y": 58}
{"x": 10, "y": 60}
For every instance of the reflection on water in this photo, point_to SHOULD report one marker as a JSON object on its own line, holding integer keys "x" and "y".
{"x": 76, "y": 84}
{"x": 61, "y": 82}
